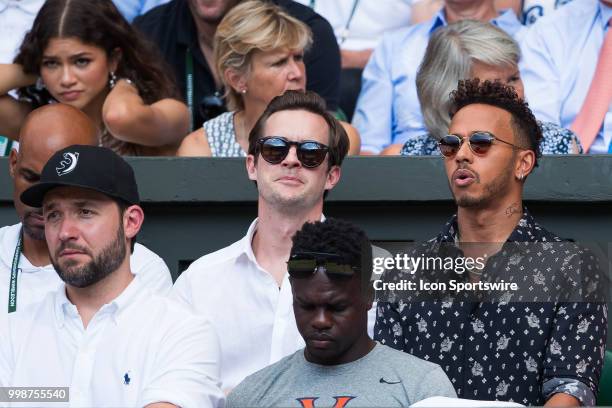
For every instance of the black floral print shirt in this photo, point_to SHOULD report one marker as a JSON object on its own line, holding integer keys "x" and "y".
{"x": 521, "y": 351}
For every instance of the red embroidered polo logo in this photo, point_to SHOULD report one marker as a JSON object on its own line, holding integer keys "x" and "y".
{"x": 341, "y": 402}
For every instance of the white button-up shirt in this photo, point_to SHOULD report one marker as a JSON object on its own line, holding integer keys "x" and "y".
{"x": 138, "y": 349}
{"x": 252, "y": 316}
{"x": 34, "y": 282}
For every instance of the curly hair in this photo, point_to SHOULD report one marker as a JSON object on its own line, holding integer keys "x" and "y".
{"x": 100, "y": 24}
{"x": 337, "y": 237}
{"x": 494, "y": 93}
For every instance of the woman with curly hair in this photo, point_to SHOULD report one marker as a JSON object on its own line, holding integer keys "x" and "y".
{"x": 83, "y": 53}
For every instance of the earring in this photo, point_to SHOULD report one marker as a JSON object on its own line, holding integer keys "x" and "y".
{"x": 40, "y": 85}
{"x": 243, "y": 91}
{"x": 520, "y": 177}
{"x": 112, "y": 81}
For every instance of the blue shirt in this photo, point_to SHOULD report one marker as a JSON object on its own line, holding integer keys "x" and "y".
{"x": 560, "y": 54}
{"x": 388, "y": 109}
{"x": 133, "y": 8}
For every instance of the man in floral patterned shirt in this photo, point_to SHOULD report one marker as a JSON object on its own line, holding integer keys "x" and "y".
{"x": 542, "y": 344}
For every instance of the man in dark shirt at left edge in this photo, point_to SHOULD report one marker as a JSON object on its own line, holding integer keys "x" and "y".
{"x": 184, "y": 31}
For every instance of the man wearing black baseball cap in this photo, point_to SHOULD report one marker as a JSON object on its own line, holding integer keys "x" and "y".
{"x": 26, "y": 272}
{"x": 107, "y": 337}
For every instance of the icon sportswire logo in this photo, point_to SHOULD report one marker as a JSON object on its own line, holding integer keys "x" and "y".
{"x": 68, "y": 164}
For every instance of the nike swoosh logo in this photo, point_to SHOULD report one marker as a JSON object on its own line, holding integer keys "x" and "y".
{"x": 383, "y": 381}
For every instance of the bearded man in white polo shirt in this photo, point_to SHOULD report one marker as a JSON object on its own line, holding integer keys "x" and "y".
{"x": 104, "y": 334}
{"x": 294, "y": 156}
{"x": 24, "y": 256}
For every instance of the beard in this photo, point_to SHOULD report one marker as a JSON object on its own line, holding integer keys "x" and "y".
{"x": 492, "y": 191}
{"x": 101, "y": 266}
{"x": 35, "y": 232}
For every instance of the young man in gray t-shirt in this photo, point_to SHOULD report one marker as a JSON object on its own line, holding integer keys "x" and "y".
{"x": 341, "y": 365}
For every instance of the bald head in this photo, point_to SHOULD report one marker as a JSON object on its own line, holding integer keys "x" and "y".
{"x": 54, "y": 127}
{"x": 45, "y": 131}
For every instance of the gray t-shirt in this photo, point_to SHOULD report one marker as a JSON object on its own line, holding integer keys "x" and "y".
{"x": 385, "y": 377}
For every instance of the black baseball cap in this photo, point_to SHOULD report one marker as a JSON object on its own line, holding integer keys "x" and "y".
{"x": 92, "y": 167}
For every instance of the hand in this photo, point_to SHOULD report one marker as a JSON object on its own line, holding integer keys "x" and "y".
{"x": 355, "y": 59}
{"x": 561, "y": 400}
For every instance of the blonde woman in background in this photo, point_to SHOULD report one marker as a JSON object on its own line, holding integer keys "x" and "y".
{"x": 259, "y": 50}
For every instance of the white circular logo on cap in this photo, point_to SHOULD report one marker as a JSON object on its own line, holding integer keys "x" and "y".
{"x": 68, "y": 164}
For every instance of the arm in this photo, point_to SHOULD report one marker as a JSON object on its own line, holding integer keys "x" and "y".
{"x": 354, "y": 139}
{"x": 392, "y": 150}
{"x": 355, "y": 59}
{"x": 562, "y": 400}
{"x": 129, "y": 119}
{"x": 6, "y": 363}
{"x": 187, "y": 367}
{"x": 13, "y": 112}
{"x": 569, "y": 374}
{"x": 195, "y": 144}
{"x": 434, "y": 383}
{"x": 373, "y": 113}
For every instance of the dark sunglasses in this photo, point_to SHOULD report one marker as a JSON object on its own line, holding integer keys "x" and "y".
{"x": 274, "y": 149}
{"x": 479, "y": 142}
{"x": 212, "y": 105}
{"x": 305, "y": 264}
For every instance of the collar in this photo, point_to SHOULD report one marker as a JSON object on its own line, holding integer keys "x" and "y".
{"x": 506, "y": 20}
{"x": 65, "y": 309}
{"x": 439, "y": 20}
{"x": 246, "y": 244}
{"x": 27, "y": 6}
{"x": 526, "y": 230}
{"x": 605, "y": 13}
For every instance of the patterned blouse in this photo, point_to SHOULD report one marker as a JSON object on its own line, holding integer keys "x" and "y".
{"x": 506, "y": 350}
{"x": 556, "y": 140}
{"x": 222, "y": 136}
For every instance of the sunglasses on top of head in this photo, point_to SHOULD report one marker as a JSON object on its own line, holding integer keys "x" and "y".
{"x": 274, "y": 149}
{"x": 479, "y": 142}
{"x": 305, "y": 264}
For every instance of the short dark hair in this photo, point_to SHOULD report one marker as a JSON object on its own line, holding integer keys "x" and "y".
{"x": 124, "y": 205}
{"x": 311, "y": 102}
{"x": 338, "y": 237}
{"x": 494, "y": 93}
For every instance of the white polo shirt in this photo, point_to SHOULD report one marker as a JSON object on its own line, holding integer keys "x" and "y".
{"x": 253, "y": 318}
{"x": 34, "y": 282}
{"x": 138, "y": 349}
